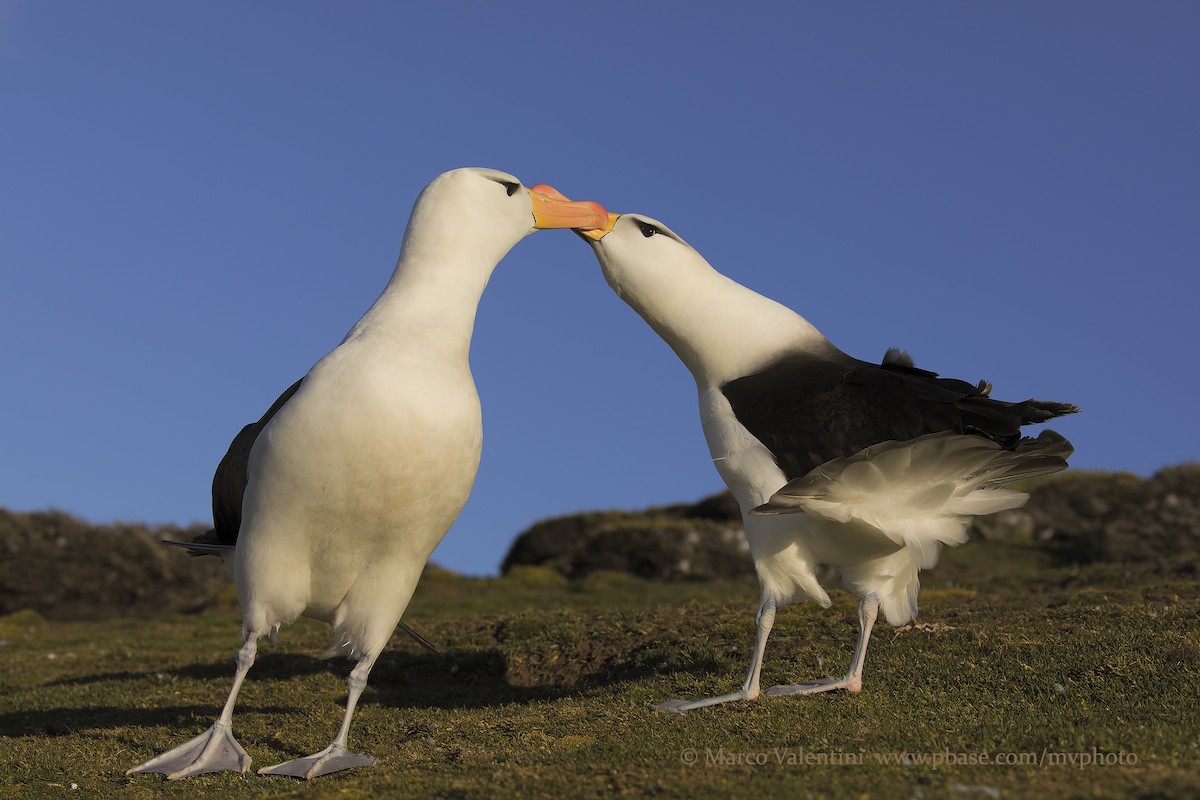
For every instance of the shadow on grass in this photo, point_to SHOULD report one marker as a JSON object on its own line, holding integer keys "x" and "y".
{"x": 465, "y": 679}
{"x": 57, "y": 722}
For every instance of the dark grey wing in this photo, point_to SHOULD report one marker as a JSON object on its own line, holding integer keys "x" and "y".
{"x": 811, "y": 409}
{"x": 808, "y": 409}
{"x": 229, "y": 481}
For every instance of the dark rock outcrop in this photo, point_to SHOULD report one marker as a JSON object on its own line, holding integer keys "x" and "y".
{"x": 1087, "y": 517}
{"x": 64, "y": 568}
{"x": 697, "y": 541}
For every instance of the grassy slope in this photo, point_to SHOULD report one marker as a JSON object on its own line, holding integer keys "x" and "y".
{"x": 544, "y": 690}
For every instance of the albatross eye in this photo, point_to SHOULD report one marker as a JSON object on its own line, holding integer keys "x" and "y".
{"x": 510, "y": 187}
{"x": 647, "y": 229}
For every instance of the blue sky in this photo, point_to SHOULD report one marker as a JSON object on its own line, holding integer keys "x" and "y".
{"x": 197, "y": 201}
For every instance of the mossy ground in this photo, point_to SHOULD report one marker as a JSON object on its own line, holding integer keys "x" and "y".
{"x": 545, "y": 688}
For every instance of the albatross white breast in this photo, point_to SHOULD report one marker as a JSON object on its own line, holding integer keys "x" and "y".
{"x": 867, "y": 467}
{"x": 334, "y": 500}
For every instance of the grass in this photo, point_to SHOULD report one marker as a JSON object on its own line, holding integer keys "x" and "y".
{"x": 544, "y": 689}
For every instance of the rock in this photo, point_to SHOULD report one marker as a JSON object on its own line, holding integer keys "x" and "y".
{"x": 64, "y": 568}
{"x": 699, "y": 541}
{"x": 671, "y": 549}
{"x": 1117, "y": 517}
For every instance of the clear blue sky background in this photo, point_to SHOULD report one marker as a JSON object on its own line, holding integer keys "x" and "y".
{"x": 197, "y": 201}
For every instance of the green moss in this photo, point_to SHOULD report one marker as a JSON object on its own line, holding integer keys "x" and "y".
{"x": 607, "y": 580}
{"x": 522, "y": 629}
{"x": 534, "y": 576}
{"x": 25, "y": 622}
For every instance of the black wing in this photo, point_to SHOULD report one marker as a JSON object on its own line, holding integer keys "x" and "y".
{"x": 808, "y": 409}
{"x": 229, "y": 481}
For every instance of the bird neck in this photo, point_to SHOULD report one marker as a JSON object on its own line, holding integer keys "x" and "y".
{"x": 430, "y": 299}
{"x": 722, "y": 330}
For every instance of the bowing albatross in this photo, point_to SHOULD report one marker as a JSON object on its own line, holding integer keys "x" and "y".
{"x": 834, "y": 461}
{"x": 357, "y": 471}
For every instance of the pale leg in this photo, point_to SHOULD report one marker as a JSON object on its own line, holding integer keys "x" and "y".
{"x": 337, "y": 756}
{"x": 868, "y": 609}
{"x": 763, "y": 623}
{"x": 215, "y": 750}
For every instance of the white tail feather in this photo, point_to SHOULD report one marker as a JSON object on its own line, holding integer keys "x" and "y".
{"x": 921, "y": 495}
{"x": 988, "y": 501}
{"x": 899, "y": 487}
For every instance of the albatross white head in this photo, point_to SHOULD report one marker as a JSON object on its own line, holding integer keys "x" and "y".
{"x": 478, "y": 214}
{"x": 462, "y": 225}
{"x": 715, "y": 325}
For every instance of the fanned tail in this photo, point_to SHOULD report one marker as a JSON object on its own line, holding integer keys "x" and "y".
{"x": 919, "y": 493}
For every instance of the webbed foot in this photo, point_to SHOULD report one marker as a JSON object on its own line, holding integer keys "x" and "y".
{"x": 215, "y": 750}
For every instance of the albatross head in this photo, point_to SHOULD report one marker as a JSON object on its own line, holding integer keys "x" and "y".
{"x": 644, "y": 261}
{"x": 481, "y": 213}
{"x": 665, "y": 281}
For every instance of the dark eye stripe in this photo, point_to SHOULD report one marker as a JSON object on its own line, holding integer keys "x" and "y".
{"x": 511, "y": 187}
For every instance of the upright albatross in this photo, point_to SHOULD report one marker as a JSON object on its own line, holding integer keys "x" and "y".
{"x": 834, "y": 461}
{"x": 357, "y": 471}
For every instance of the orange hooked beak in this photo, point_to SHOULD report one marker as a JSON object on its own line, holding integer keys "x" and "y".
{"x": 591, "y": 231}
{"x": 598, "y": 233}
{"x": 552, "y": 210}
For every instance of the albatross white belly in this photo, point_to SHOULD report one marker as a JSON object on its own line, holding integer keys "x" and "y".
{"x": 364, "y": 484}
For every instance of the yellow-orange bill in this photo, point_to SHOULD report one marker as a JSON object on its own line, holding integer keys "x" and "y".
{"x": 552, "y": 210}
{"x": 598, "y": 233}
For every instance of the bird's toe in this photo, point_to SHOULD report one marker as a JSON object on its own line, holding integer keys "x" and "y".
{"x": 331, "y": 759}
{"x": 811, "y": 687}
